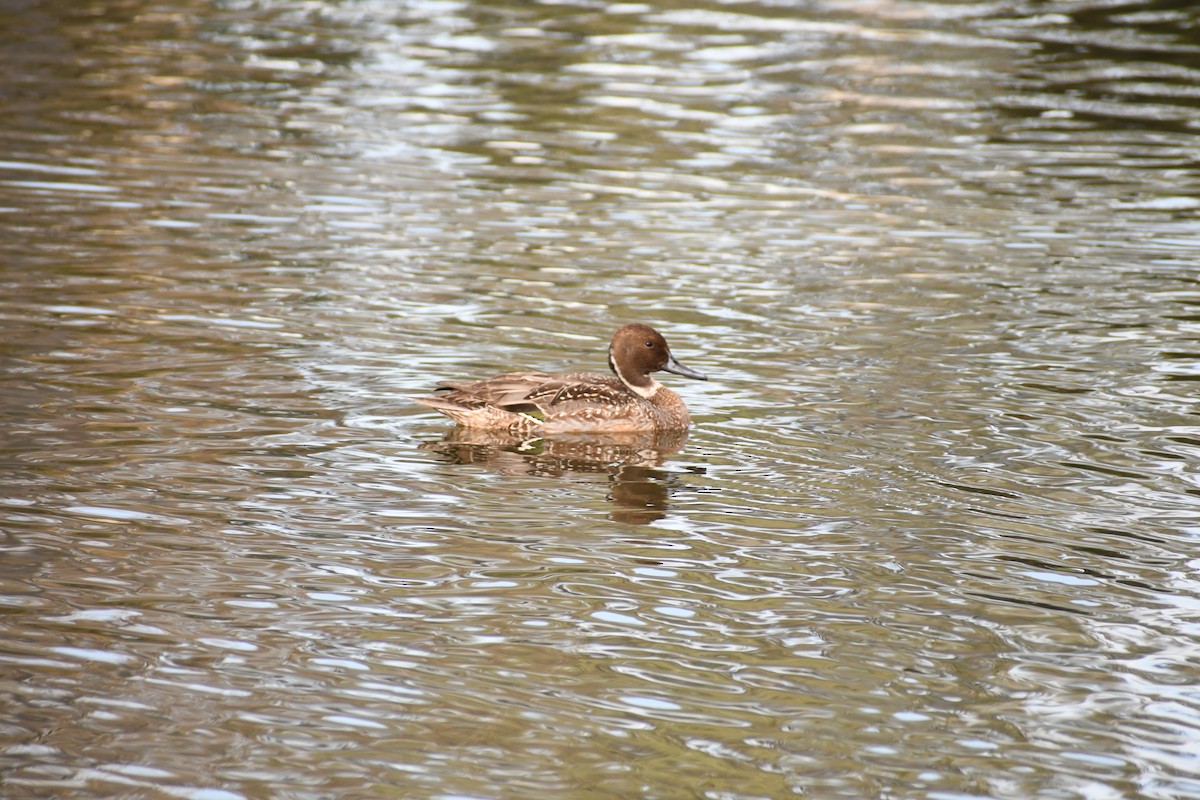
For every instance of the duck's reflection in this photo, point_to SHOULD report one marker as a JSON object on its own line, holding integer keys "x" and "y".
{"x": 640, "y": 491}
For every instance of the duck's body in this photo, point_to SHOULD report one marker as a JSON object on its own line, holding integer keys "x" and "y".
{"x": 574, "y": 402}
{"x": 538, "y": 402}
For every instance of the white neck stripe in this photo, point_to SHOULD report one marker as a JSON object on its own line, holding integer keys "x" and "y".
{"x": 647, "y": 392}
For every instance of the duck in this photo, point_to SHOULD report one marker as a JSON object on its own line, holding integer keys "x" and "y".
{"x": 524, "y": 403}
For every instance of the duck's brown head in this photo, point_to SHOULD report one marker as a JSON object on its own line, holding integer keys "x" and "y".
{"x": 637, "y": 350}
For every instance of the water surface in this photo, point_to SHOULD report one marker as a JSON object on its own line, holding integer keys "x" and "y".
{"x": 931, "y": 535}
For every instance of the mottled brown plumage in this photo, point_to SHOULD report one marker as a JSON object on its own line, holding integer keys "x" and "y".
{"x": 538, "y": 402}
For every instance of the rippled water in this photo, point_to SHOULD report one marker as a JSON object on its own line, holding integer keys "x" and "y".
{"x": 933, "y": 533}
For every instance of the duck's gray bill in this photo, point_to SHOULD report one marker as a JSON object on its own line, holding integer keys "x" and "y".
{"x": 680, "y": 369}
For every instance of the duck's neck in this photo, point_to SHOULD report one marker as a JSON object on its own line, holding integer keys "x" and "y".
{"x": 648, "y": 391}
{"x": 641, "y": 385}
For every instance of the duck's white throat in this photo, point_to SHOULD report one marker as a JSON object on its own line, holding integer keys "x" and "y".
{"x": 647, "y": 392}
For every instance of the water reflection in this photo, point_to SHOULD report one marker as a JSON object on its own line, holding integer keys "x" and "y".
{"x": 639, "y": 490}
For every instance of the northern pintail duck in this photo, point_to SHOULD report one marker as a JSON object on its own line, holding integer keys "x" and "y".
{"x": 537, "y": 402}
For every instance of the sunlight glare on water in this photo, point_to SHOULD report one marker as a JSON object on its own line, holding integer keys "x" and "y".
{"x": 930, "y": 535}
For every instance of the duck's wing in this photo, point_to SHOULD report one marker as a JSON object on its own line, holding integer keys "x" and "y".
{"x": 565, "y": 394}
{"x": 502, "y": 391}
{"x": 535, "y": 394}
